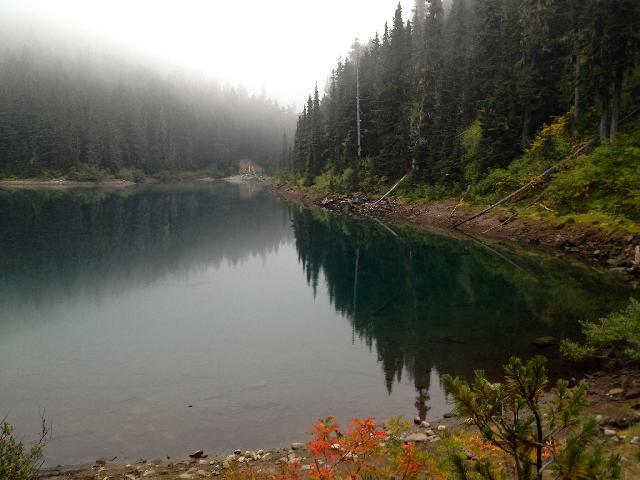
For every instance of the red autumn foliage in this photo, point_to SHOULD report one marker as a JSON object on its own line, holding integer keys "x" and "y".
{"x": 364, "y": 449}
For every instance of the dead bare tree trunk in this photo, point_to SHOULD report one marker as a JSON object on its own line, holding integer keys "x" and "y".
{"x": 576, "y": 96}
{"x": 526, "y": 127}
{"x": 604, "y": 117}
{"x": 617, "y": 94}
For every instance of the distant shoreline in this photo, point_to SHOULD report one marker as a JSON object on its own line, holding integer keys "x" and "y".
{"x": 64, "y": 183}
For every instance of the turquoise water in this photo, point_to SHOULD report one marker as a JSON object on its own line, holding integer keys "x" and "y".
{"x": 155, "y": 320}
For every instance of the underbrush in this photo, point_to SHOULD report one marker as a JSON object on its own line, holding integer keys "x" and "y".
{"x": 605, "y": 180}
{"x": 18, "y": 461}
{"x": 617, "y": 331}
{"x": 550, "y": 146}
{"x": 85, "y": 172}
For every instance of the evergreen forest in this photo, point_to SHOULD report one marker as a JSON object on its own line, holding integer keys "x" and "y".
{"x": 88, "y": 115}
{"x": 471, "y": 94}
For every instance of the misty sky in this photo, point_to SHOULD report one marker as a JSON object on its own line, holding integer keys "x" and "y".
{"x": 281, "y": 46}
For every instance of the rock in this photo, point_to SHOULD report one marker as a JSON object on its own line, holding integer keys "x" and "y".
{"x": 434, "y": 439}
{"x": 101, "y": 461}
{"x": 425, "y": 424}
{"x": 297, "y": 446}
{"x": 148, "y": 473}
{"x": 201, "y": 473}
{"x": 265, "y": 456}
{"x": 635, "y": 440}
{"x": 442, "y": 428}
{"x": 242, "y": 460}
{"x": 130, "y": 477}
{"x": 469, "y": 454}
{"x": 599, "y": 419}
{"x": 615, "y": 392}
{"x": 624, "y": 421}
{"x": 417, "y": 421}
{"x": 416, "y": 437}
{"x": 429, "y": 432}
{"x": 185, "y": 476}
{"x": 231, "y": 458}
{"x": 197, "y": 454}
{"x": 609, "y": 433}
{"x": 237, "y": 451}
{"x": 203, "y": 462}
{"x": 547, "y": 341}
{"x": 226, "y": 464}
{"x": 449, "y": 415}
{"x": 618, "y": 270}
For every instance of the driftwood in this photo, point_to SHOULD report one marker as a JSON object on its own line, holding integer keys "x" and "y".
{"x": 460, "y": 201}
{"x": 533, "y": 182}
{"x": 391, "y": 190}
{"x": 386, "y": 227}
{"x": 507, "y": 220}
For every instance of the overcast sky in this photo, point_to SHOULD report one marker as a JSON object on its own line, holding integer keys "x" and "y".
{"x": 283, "y": 46}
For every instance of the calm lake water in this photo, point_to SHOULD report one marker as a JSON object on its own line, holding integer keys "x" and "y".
{"x": 156, "y": 320}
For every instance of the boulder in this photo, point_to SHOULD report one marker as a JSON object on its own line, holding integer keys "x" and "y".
{"x": 615, "y": 392}
{"x": 416, "y": 437}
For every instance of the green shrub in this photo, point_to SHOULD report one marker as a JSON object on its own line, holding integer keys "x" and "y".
{"x": 606, "y": 180}
{"x": 512, "y": 417}
{"x": 550, "y": 146}
{"x": 618, "y": 329}
{"x": 85, "y": 172}
{"x": 130, "y": 174}
{"x": 17, "y": 461}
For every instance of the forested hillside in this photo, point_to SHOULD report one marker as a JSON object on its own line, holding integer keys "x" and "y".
{"x": 91, "y": 114}
{"x": 451, "y": 96}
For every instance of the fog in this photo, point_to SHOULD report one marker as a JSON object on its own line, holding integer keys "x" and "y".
{"x": 279, "y": 48}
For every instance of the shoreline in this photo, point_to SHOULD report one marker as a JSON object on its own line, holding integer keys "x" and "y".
{"x": 614, "y": 398}
{"x": 613, "y": 252}
{"x": 60, "y": 183}
{"x": 63, "y": 183}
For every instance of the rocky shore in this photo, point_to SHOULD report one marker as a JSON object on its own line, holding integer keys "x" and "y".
{"x": 618, "y": 252}
{"x": 614, "y": 397}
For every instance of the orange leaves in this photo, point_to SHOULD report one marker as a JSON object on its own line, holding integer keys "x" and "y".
{"x": 363, "y": 450}
{"x": 409, "y": 462}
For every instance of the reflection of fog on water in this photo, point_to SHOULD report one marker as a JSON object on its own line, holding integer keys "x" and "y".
{"x": 55, "y": 242}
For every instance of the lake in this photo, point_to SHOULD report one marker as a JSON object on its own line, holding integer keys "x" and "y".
{"x": 155, "y": 320}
